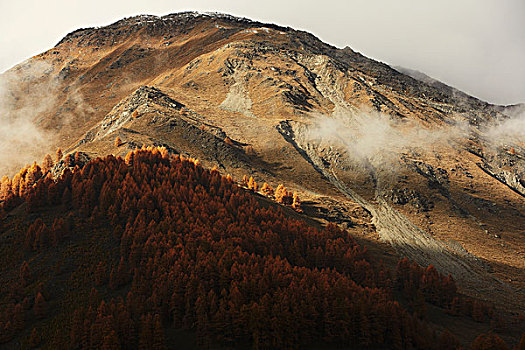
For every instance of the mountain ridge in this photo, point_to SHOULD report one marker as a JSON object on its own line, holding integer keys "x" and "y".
{"x": 188, "y": 19}
{"x": 143, "y": 20}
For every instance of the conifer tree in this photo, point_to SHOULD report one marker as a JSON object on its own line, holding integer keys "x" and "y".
{"x": 47, "y": 163}
{"x": 5, "y": 188}
{"x": 34, "y": 339}
{"x": 100, "y": 274}
{"x": 118, "y": 142}
{"x": 59, "y": 154}
{"x": 296, "y": 202}
{"x": 40, "y": 307}
{"x": 267, "y": 190}
{"x": 280, "y": 193}
{"x": 25, "y": 273}
{"x": 244, "y": 181}
{"x": 110, "y": 341}
{"x": 282, "y": 196}
{"x": 17, "y": 317}
{"x": 252, "y": 185}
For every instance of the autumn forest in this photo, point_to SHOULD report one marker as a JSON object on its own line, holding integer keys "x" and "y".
{"x": 153, "y": 251}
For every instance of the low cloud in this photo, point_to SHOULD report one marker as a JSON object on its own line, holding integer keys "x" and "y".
{"x": 508, "y": 131}
{"x": 375, "y": 140}
{"x": 26, "y": 92}
{"x": 373, "y": 143}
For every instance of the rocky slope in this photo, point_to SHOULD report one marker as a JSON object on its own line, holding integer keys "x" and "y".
{"x": 280, "y": 105}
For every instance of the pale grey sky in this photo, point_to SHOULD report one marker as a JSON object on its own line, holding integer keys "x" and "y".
{"x": 477, "y": 46}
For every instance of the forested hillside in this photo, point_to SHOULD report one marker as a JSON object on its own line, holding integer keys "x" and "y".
{"x": 155, "y": 252}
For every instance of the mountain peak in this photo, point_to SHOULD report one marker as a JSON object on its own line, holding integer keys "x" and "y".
{"x": 180, "y": 22}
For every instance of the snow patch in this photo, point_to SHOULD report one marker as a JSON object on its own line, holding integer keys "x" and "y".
{"x": 256, "y": 30}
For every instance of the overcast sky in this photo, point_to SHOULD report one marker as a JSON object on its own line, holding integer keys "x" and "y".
{"x": 477, "y": 46}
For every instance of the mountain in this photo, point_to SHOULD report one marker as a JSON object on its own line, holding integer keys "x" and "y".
{"x": 410, "y": 167}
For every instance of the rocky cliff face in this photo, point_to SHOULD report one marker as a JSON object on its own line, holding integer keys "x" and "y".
{"x": 280, "y": 105}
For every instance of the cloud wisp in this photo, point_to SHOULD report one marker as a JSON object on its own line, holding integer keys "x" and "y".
{"x": 26, "y": 92}
{"x": 508, "y": 131}
{"x": 376, "y": 140}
